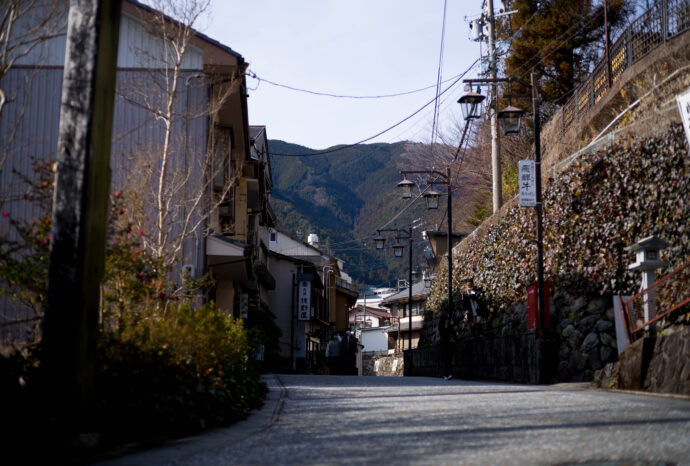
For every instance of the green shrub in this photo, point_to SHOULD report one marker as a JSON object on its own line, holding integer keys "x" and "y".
{"x": 172, "y": 374}
{"x": 165, "y": 366}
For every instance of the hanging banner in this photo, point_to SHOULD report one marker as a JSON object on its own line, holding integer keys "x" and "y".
{"x": 528, "y": 183}
{"x": 304, "y": 300}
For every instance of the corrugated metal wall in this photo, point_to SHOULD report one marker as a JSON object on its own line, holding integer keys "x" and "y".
{"x": 28, "y": 135}
{"x": 137, "y": 48}
{"x": 29, "y": 128}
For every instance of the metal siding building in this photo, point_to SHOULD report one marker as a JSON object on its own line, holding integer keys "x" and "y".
{"x": 29, "y": 131}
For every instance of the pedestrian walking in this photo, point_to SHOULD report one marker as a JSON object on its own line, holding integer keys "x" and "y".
{"x": 333, "y": 356}
{"x": 471, "y": 304}
{"x": 348, "y": 353}
{"x": 447, "y": 338}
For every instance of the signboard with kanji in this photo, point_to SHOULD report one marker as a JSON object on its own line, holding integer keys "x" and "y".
{"x": 528, "y": 183}
{"x": 304, "y": 300}
{"x": 244, "y": 306}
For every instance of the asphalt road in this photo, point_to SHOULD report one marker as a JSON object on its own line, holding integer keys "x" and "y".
{"x": 413, "y": 420}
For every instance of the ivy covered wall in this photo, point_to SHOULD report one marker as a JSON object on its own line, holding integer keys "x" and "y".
{"x": 596, "y": 207}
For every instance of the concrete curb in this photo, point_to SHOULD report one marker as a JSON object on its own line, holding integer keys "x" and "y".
{"x": 215, "y": 440}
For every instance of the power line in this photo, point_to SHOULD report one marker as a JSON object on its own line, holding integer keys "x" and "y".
{"x": 253, "y": 75}
{"x": 347, "y": 146}
{"x": 439, "y": 73}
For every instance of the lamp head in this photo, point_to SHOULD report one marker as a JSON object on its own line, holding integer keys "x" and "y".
{"x": 471, "y": 105}
{"x": 379, "y": 241}
{"x": 432, "y": 198}
{"x": 406, "y": 187}
{"x": 510, "y": 120}
{"x": 398, "y": 249}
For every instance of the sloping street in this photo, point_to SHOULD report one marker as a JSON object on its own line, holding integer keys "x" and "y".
{"x": 413, "y": 420}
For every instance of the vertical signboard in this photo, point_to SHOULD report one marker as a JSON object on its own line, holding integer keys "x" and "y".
{"x": 304, "y": 300}
{"x": 684, "y": 108}
{"x": 244, "y": 306}
{"x": 528, "y": 183}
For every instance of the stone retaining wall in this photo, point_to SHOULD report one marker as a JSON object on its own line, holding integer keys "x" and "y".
{"x": 655, "y": 364}
{"x": 581, "y": 341}
{"x": 380, "y": 363}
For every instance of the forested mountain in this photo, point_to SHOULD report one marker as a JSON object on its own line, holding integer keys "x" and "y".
{"x": 344, "y": 196}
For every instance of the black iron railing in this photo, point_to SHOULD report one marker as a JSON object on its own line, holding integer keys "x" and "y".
{"x": 665, "y": 20}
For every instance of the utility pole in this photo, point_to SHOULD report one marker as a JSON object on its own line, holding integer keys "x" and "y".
{"x": 497, "y": 182}
{"x": 77, "y": 250}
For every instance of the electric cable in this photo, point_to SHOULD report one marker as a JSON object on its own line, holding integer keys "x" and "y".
{"x": 347, "y": 146}
{"x": 253, "y": 75}
{"x": 439, "y": 74}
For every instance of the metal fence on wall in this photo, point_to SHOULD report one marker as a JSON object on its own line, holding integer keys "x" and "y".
{"x": 665, "y": 20}
{"x": 666, "y": 295}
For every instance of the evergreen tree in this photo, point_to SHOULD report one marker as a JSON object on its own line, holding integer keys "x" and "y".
{"x": 559, "y": 40}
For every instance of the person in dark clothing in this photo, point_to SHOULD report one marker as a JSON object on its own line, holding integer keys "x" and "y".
{"x": 445, "y": 332}
{"x": 333, "y": 356}
{"x": 348, "y": 353}
{"x": 471, "y": 305}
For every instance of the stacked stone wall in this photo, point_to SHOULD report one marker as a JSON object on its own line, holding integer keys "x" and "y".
{"x": 380, "y": 363}
{"x": 656, "y": 364}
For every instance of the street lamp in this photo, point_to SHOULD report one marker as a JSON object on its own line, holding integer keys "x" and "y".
{"x": 379, "y": 240}
{"x": 510, "y": 121}
{"x": 406, "y": 188}
{"x": 509, "y": 118}
{"x": 471, "y": 105}
{"x": 432, "y": 198}
{"x": 398, "y": 249}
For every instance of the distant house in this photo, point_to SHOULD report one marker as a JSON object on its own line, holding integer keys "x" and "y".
{"x": 400, "y": 311}
{"x": 293, "y": 261}
{"x": 368, "y": 317}
{"x": 375, "y": 339}
{"x": 220, "y": 177}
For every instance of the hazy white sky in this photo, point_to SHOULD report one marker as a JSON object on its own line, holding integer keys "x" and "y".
{"x": 347, "y": 47}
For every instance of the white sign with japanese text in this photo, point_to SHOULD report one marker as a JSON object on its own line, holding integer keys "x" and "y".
{"x": 528, "y": 183}
{"x": 304, "y": 300}
{"x": 684, "y": 108}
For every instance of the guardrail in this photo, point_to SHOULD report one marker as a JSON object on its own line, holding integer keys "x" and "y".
{"x": 665, "y": 20}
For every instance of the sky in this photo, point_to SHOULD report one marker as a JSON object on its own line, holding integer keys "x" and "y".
{"x": 347, "y": 47}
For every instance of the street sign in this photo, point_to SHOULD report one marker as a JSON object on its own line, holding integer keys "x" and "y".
{"x": 684, "y": 108}
{"x": 528, "y": 183}
{"x": 244, "y": 305}
{"x": 304, "y": 300}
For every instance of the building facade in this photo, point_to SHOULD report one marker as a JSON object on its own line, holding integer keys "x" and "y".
{"x": 400, "y": 311}
{"x": 215, "y": 168}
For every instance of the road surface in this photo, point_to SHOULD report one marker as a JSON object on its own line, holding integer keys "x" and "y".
{"x": 415, "y": 420}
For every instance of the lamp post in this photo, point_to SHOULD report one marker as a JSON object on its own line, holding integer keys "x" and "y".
{"x": 432, "y": 198}
{"x": 398, "y": 250}
{"x": 510, "y": 121}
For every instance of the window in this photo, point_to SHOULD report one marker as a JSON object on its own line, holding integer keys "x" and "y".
{"x": 222, "y": 146}
{"x": 223, "y": 166}
{"x": 272, "y": 236}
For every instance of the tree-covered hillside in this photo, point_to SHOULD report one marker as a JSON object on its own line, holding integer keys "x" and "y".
{"x": 344, "y": 196}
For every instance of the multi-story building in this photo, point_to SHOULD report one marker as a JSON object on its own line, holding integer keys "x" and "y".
{"x": 215, "y": 189}
{"x": 293, "y": 262}
{"x": 399, "y": 306}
